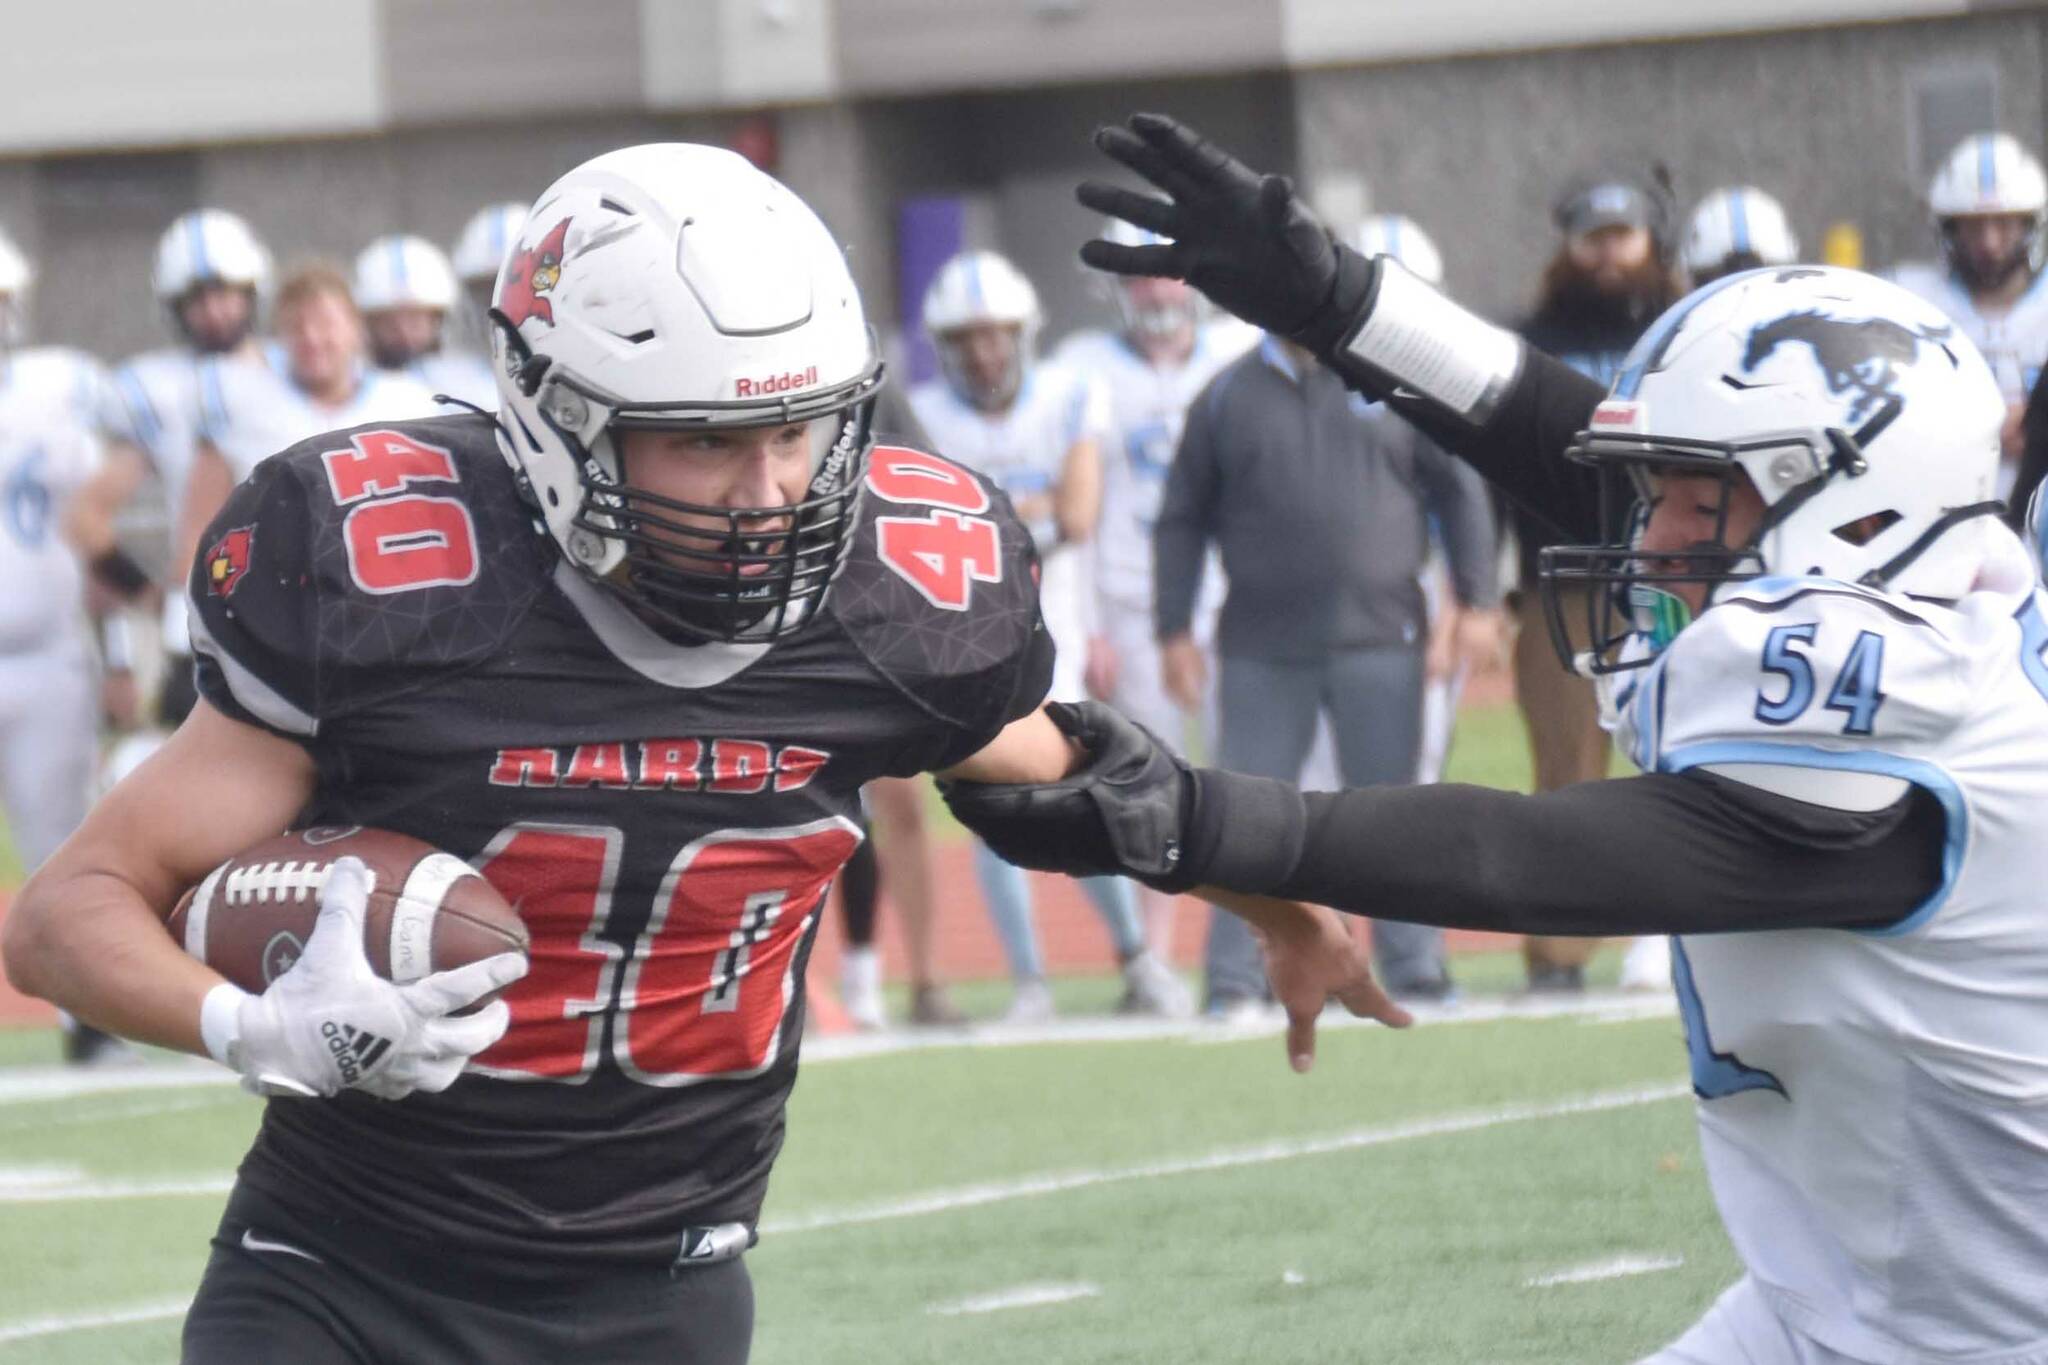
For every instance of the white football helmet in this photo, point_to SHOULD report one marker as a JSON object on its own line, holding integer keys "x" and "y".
{"x": 485, "y": 239}
{"x": 1987, "y": 174}
{"x": 16, "y": 275}
{"x": 1147, "y": 310}
{"x": 209, "y": 246}
{"x": 674, "y": 286}
{"x": 1866, "y": 421}
{"x": 400, "y": 271}
{"x": 1737, "y": 227}
{"x": 973, "y": 288}
{"x": 1391, "y": 234}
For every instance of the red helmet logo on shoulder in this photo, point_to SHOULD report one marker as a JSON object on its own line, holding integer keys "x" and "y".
{"x": 762, "y": 386}
{"x": 228, "y": 560}
{"x": 533, "y": 272}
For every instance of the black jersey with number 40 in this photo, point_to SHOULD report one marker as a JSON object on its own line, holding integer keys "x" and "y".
{"x": 666, "y": 818}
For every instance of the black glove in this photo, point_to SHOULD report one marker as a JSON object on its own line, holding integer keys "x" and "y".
{"x": 1244, "y": 239}
{"x": 1138, "y": 810}
{"x": 1121, "y": 815}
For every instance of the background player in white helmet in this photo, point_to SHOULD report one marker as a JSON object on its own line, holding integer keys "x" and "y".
{"x": 1151, "y": 365}
{"x": 53, "y": 401}
{"x": 210, "y": 278}
{"x": 1737, "y": 227}
{"x": 479, "y": 250}
{"x": 1989, "y": 201}
{"x": 1037, "y": 431}
{"x": 319, "y": 382}
{"x": 405, "y": 289}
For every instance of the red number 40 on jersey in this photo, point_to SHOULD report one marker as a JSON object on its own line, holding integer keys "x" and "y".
{"x": 399, "y": 540}
{"x": 946, "y": 552}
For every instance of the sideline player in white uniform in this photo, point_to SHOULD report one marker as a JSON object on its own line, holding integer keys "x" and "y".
{"x": 253, "y": 410}
{"x": 1829, "y": 655}
{"x": 1989, "y": 201}
{"x": 405, "y": 289}
{"x": 1152, "y": 366}
{"x": 210, "y": 277}
{"x": 53, "y": 400}
{"x": 1737, "y": 227}
{"x": 1036, "y": 430}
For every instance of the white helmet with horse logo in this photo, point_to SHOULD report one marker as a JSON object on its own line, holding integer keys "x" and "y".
{"x": 1866, "y": 422}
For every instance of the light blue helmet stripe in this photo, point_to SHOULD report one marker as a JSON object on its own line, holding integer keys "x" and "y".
{"x": 974, "y": 282}
{"x": 1738, "y": 220}
{"x": 195, "y": 231}
{"x": 398, "y": 262}
{"x": 1650, "y": 350}
{"x": 1394, "y": 238}
{"x": 1987, "y": 166}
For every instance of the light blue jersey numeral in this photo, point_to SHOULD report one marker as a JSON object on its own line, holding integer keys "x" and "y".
{"x": 27, "y": 500}
{"x": 1715, "y": 1075}
{"x": 1858, "y": 691}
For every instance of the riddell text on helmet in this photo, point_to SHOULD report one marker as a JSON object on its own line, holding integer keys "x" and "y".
{"x": 775, "y": 383}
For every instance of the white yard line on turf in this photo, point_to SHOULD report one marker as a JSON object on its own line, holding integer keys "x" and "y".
{"x": 30, "y": 1328}
{"x": 141, "y": 1109}
{"x": 1022, "y": 1296}
{"x": 74, "y": 1191}
{"x": 1614, "y": 1268}
{"x": 1228, "y": 1158}
{"x": 23, "y": 1083}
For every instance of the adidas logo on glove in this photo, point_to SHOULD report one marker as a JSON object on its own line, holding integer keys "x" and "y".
{"x": 355, "y": 1050}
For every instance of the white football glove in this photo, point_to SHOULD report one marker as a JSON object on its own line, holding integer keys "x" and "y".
{"x": 330, "y": 1024}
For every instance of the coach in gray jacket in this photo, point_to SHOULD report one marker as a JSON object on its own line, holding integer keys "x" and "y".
{"x": 1321, "y": 506}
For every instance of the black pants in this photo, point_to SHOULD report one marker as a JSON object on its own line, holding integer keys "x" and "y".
{"x": 282, "y": 1290}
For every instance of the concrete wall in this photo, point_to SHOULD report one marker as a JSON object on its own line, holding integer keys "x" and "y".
{"x": 1476, "y": 149}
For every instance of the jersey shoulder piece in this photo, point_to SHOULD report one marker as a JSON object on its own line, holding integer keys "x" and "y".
{"x": 359, "y": 564}
{"x": 66, "y": 380}
{"x": 1785, "y": 670}
{"x": 1931, "y": 280}
{"x": 940, "y": 597}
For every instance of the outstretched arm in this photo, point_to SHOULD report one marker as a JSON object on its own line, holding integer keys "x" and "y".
{"x": 1692, "y": 852}
{"x": 1249, "y": 243}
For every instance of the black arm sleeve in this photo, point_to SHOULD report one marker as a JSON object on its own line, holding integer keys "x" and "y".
{"x": 1521, "y": 447}
{"x": 1660, "y": 853}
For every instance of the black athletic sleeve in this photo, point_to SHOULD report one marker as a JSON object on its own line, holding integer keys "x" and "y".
{"x": 1520, "y": 449}
{"x": 2033, "y": 455}
{"x": 1661, "y": 853}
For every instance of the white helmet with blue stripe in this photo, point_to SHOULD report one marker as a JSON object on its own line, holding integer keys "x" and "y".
{"x": 977, "y": 288}
{"x": 1989, "y": 175}
{"x": 486, "y": 238}
{"x": 208, "y": 246}
{"x": 401, "y": 271}
{"x": 1392, "y": 234}
{"x": 1737, "y": 227}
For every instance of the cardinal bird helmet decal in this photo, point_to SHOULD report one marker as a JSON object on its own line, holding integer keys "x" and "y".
{"x": 530, "y": 274}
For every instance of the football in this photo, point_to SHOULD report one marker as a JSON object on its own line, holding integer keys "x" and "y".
{"x": 428, "y": 911}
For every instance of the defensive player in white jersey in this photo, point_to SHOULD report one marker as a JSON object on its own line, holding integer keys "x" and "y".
{"x": 53, "y": 400}
{"x": 1829, "y": 656}
{"x": 1152, "y": 365}
{"x": 210, "y": 276}
{"x": 1036, "y": 430}
{"x": 405, "y": 288}
{"x": 253, "y": 409}
{"x": 1737, "y": 227}
{"x": 1989, "y": 202}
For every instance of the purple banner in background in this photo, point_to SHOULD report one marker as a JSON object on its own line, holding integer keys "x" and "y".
{"x": 929, "y": 230}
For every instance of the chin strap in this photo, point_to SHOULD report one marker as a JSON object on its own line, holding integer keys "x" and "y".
{"x": 1881, "y": 576}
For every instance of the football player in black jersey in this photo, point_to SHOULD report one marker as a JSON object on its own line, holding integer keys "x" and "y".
{"x": 587, "y": 645}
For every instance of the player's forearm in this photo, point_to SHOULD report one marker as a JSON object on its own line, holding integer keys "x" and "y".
{"x": 1656, "y": 854}
{"x": 90, "y": 944}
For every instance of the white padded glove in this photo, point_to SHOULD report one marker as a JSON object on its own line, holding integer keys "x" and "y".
{"x": 330, "y": 1024}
